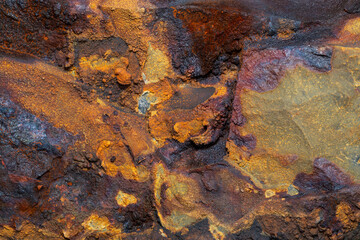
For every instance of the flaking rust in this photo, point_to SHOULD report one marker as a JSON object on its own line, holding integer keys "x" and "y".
{"x": 146, "y": 119}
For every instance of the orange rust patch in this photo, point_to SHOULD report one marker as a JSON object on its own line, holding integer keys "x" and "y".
{"x": 46, "y": 91}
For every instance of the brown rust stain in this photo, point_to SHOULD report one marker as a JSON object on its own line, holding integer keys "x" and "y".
{"x": 188, "y": 97}
{"x": 210, "y": 36}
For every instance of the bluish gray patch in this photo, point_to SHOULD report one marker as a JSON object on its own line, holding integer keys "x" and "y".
{"x": 21, "y": 133}
{"x": 144, "y": 103}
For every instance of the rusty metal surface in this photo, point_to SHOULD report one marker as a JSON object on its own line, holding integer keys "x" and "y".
{"x": 161, "y": 119}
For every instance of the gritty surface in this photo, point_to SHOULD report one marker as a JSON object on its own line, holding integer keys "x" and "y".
{"x": 161, "y": 119}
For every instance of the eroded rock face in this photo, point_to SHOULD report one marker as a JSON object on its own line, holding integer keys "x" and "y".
{"x": 136, "y": 119}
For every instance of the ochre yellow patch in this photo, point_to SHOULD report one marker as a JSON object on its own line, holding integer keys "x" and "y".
{"x": 352, "y": 26}
{"x": 308, "y": 115}
{"x": 28, "y": 232}
{"x": 344, "y": 215}
{"x": 124, "y": 199}
{"x": 349, "y": 34}
{"x": 182, "y": 193}
{"x": 97, "y": 223}
{"x": 185, "y": 130}
{"x": 101, "y": 225}
{"x": 157, "y": 66}
{"x": 124, "y": 4}
{"x": 216, "y": 232}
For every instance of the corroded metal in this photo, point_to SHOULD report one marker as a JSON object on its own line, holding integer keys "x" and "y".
{"x": 161, "y": 119}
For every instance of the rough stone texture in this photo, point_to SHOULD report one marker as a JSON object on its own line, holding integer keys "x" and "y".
{"x": 179, "y": 119}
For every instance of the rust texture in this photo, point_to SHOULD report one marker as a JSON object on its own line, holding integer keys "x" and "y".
{"x": 179, "y": 119}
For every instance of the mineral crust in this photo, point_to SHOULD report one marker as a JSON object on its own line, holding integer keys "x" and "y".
{"x": 179, "y": 119}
